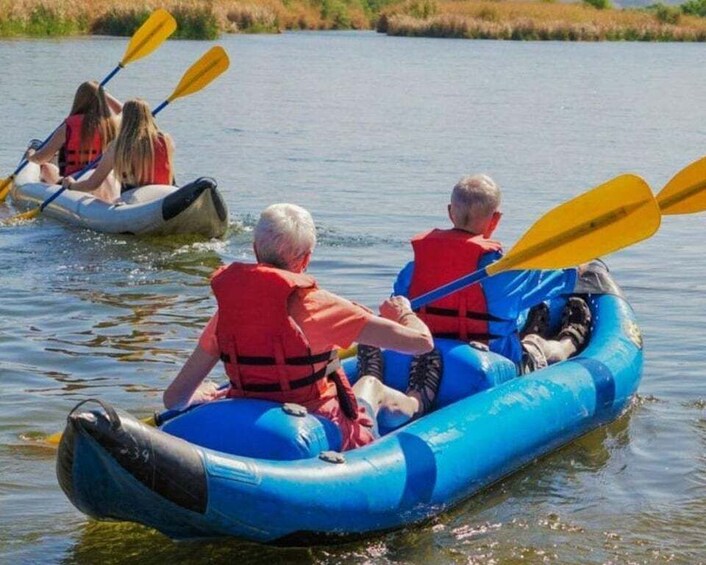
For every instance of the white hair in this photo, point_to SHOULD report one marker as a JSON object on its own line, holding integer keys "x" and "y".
{"x": 474, "y": 198}
{"x": 284, "y": 234}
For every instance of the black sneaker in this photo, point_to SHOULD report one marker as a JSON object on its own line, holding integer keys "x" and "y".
{"x": 576, "y": 322}
{"x": 370, "y": 361}
{"x": 425, "y": 377}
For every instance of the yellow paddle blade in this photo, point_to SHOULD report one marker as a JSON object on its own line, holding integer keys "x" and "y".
{"x": 5, "y": 187}
{"x": 160, "y": 25}
{"x": 686, "y": 192}
{"x": 54, "y": 439}
{"x": 202, "y": 72}
{"x": 613, "y": 215}
{"x": 23, "y": 217}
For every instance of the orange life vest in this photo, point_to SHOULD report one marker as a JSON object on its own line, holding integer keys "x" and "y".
{"x": 73, "y": 157}
{"x": 441, "y": 256}
{"x": 266, "y": 355}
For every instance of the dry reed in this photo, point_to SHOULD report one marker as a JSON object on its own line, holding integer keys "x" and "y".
{"x": 482, "y": 19}
{"x": 487, "y": 19}
{"x": 197, "y": 19}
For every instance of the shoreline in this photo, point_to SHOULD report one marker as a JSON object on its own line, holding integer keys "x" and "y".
{"x": 464, "y": 19}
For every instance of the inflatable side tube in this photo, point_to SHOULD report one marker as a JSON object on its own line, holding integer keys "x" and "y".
{"x": 182, "y": 199}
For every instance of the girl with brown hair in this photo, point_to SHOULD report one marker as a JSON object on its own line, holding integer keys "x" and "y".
{"x": 84, "y": 135}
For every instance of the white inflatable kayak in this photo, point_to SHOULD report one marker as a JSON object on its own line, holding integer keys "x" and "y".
{"x": 195, "y": 208}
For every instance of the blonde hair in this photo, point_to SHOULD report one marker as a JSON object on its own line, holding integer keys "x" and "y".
{"x": 474, "y": 198}
{"x": 90, "y": 101}
{"x": 284, "y": 234}
{"x": 134, "y": 146}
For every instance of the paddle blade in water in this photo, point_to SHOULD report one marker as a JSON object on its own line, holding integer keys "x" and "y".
{"x": 686, "y": 192}
{"x": 53, "y": 439}
{"x": 613, "y": 215}
{"x": 158, "y": 27}
{"x": 5, "y": 187}
{"x": 202, "y": 73}
{"x": 23, "y": 217}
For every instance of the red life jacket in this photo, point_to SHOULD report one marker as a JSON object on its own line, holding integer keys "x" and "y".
{"x": 73, "y": 157}
{"x": 441, "y": 256}
{"x": 161, "y": 167}
{"x": 266, "y": 355}
{"x": 161, "y": 170}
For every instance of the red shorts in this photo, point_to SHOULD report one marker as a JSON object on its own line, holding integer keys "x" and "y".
{"x": 354, "y": 433}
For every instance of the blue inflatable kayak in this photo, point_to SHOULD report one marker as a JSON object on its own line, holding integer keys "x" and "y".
{"x": 264, "y": 472}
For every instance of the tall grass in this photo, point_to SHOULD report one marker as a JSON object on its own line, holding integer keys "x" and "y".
{"x": 518, "y": 20}
{"x": 694, "y": 8}
{"x": 196, "y": 19}
{"x": 39, "y": 19}
{"x": 485, "y": 19}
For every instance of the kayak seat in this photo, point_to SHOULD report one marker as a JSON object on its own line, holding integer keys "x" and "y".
{"x": 256, "y": 428}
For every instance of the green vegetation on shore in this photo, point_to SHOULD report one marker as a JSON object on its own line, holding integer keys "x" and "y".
{"x": 591, "y": 20}
{"x": 52, "y": 18}
{"x": 196, "y": 19}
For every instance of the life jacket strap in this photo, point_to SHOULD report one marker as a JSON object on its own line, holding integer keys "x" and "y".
{"x": 266, "y": 361}
{"x": 322, "y": 373}
{"x": 81, "y": 152}
{"x": 451, "y": 312}
{"x": 468, "y": 336}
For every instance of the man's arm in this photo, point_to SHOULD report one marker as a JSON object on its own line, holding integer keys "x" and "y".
{"x": 397, "y": 328}
{"x": 187, "y": 387}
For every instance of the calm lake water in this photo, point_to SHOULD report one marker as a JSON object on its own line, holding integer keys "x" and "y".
{"x": 370, "y": 133}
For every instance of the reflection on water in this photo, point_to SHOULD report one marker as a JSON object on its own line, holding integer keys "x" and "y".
{"x": 138, "y": 324}
{"x": 122, "y": 542}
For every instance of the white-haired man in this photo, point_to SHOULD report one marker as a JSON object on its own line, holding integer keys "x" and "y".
{"x": 487, "y": 313}
{"x": 277, "y": 333}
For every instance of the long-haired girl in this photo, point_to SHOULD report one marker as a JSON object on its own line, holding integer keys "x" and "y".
{"x": 84, "y": 135}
